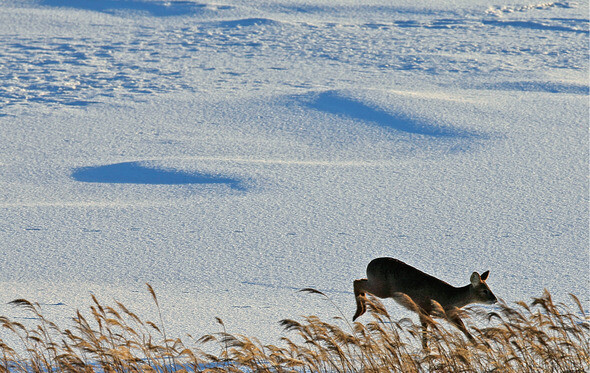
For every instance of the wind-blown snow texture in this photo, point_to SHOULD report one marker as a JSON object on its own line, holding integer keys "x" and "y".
{"x": 230, "y": 153}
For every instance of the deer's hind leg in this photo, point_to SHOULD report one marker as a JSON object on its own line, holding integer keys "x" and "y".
{"x": 360, "y": 297}
{"x": 424, "y": 323}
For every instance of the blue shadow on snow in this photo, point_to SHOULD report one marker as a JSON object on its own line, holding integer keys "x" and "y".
{"x": 154, "y": 8}
{"x": 549, "y": 87}
{"x": 334, "y": 103}
{"x": 535, "y": 25}
{"x": 135, "y": 173}
{"x": 248, "y": 22}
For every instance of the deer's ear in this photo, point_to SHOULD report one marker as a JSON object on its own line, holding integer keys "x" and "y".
{"x": 475, "y": 279}
{"x": 484, "y": 276}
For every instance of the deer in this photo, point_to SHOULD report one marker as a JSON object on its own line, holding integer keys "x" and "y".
{"x": 392, "y": 278}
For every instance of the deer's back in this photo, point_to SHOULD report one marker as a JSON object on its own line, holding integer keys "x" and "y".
{"x": 390, "y": 275}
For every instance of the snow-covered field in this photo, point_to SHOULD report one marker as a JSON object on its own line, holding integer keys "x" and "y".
{"x": 230, "y": 153}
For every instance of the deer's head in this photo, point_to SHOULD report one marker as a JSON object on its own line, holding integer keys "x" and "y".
{"x": 479, "y": 289}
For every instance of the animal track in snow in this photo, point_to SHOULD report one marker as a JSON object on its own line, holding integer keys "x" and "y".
{"x": 505, "y": 9}
{"x": 159, "y": 56}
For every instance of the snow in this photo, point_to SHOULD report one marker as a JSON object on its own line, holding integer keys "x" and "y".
{"x": 231, "y": 153}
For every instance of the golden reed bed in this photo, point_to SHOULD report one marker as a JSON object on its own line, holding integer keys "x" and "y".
{"x": 538, "y": 337}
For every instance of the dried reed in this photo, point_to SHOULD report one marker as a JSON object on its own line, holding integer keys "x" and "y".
{"x": 540, "y": 336}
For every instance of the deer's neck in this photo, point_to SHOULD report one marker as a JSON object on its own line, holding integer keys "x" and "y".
{"x": 461, "y": 296}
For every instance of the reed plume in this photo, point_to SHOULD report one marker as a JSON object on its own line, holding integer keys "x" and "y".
{"x": 528, "y": 337}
